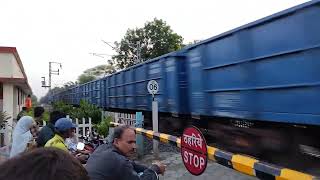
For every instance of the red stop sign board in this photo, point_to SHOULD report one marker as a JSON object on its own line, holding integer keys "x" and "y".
{"x": 194, "y": 150}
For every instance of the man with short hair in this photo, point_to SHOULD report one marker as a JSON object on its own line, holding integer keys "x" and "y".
{"x": 63, "y": 130}
{"x": 47, "y": 132}
{"x": 111, "y": 161}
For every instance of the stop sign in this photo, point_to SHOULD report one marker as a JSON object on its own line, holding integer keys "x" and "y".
{"x": 194, "y": 150}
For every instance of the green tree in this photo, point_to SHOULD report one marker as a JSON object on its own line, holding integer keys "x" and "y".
{"x": 103, "y": 126}
{"x": 3, "y": 118}
{"x": 62, "y": 107}
{"x": 100, "y": 70}
{"x": 45, "y": 116}
{"x": 155, "y": 39}
{"x": 192, "y": 43}
{"x": 70, "y": 84}
{"x": 85, "y": 110}
{"x": 34, "y": 100}
{"x": 84, "y": 78}
{"x": 95, "y": 73}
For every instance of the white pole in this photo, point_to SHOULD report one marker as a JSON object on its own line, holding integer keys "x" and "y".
{"x": 90, "y": 125}
{"x": 155, "y": 125}
{"x": 83, "y": 127}
{"x": 77, "y": 129}
{"x": 116, "y": 117}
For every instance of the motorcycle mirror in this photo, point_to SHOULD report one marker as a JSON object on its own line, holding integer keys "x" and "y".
{"x": 80, "y": 146}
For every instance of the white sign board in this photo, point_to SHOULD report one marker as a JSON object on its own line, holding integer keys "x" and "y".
{"x": 153, "y": 87}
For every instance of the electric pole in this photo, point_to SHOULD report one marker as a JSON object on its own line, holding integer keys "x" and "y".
{"x": 51, "y": 72}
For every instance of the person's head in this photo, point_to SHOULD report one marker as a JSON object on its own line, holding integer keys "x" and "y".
{"x": 55, "y": 115}
{"x": 64, "y": 127}
{"x": 124, "y": 139}
{"x": 73, "y": 133}
{"x": 43, "y": 163}
{"x": 29, "y": 96}
{"x": 38, "y": 112}
{"x": 24, "y": 108}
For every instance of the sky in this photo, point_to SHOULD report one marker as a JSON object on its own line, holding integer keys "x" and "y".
{"x": 67, "y": 31}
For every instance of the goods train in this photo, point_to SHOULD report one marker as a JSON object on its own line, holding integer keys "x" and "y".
{"x": 256, "y": 86}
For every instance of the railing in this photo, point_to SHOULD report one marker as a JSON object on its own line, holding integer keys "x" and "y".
{"x": 83, "y": 127}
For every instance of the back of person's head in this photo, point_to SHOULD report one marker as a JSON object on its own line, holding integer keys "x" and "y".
{"x": 55, "y": 115}
{"x": 38, "y": 111}
{"x": 29, "y": 95}
{"x": 43, "y": 164}
{"x": 24, "y": 108}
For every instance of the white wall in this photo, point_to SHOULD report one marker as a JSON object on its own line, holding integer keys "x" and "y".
{"x": 16, "y": 71}
{"x": 6, "y": 64}
{"x": 9, "y": 66}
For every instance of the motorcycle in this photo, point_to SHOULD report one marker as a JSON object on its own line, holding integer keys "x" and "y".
{"x": 92, "y": 143}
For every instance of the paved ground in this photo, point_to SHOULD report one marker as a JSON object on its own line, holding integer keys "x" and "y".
{"x": 177, "y": 171}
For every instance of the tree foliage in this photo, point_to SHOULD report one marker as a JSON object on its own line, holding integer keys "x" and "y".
{"x": 3, "y": 118}
{"x": 34, "y": 100}
{"x": 95, "y": 73}
{"x": 84, "y": 78}
{"x": 62, "y": 107}
{"x": 155, "y": 39}
{"x": 70, "y": 84}
{"x": 100, "y": 70}
{"x": 103, "y": 126}
{"x": 45, "y": 116}
{"x": 85, "y": 110}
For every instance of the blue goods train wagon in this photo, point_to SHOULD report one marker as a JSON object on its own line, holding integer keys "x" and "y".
{"x": 103, "y": 92}
{"x": 267, "y": 70}
{"x": 75, "y": 95}
{"x": 90, "y": 92}
{"x": 128, "y": 89}
{"x": 95, "y": 92}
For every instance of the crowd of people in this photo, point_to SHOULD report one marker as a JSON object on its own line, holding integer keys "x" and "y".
{"x": 52, "y": 153}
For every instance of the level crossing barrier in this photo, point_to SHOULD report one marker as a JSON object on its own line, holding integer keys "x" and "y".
{"x": 240, "y": 163}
